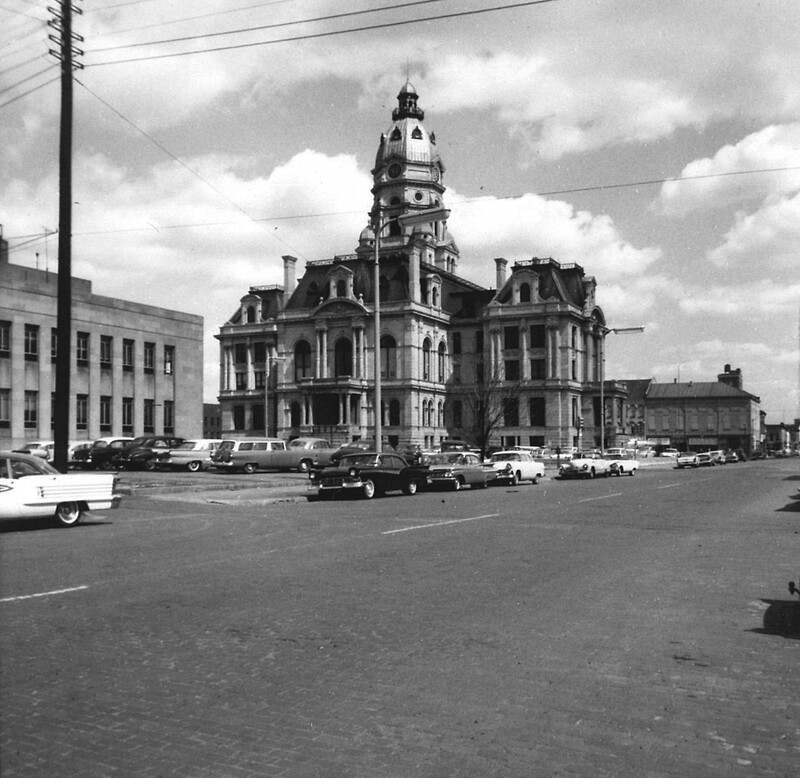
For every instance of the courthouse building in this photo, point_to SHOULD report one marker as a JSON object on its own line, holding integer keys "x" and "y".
{"x": 298, "y": 359}
{"x": 136, "y": 369}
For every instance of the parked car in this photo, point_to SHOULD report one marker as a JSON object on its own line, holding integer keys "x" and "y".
{"x": 368, "y": 475}
{"x": 139, "y": 453}
{"x": 357, "y": 447}
{"x": 585, "y": 465}
{"x": 687, "y": 459}
{"x": 456, "y": 469}
{"x": 731, "y": 457}
{"x": 511, "y": 467}
{"x": 622, "y": 465}
{"x": 717, "y": 457}
{"x": 670, "y": 452}
{"x": 253, "y": 454}
{"x": 39, "y": 448}
{"x": 98, "y": 455}
{"x": 192, "y": 455}
{"x": 304, "y": 453}
{"x": 31, "y": 487}
{"x": 704, "y": 459}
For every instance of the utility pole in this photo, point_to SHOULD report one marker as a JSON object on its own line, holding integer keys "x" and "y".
{"x": 61, "y": 409}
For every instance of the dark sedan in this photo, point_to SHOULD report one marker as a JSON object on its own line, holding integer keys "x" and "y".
{"x": 140, "y": 452}
{"x": 367, "y": 475}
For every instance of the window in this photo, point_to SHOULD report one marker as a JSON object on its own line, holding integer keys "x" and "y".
{"x": 169, "y": 417}
{"x": 258, "y": 421}
{"x": 149, "y": 357}
{"x": 512, "y": 369}
{"x": 388, "y": 357}
{"x": 5, "y": 339}
{"x": 149, "y": 415}
{"x": 82, "y": 349}
{"x": 341, "y": 288}
{"x": 538, "y": 336}
{"x": 479, "y": 342}
{"x": 240, "y": 353}
{"x": 31, "y": 343}
{"x": 525, "y": 293}
{"x": 441, "y": 363}
{"x": 426, "y": 360}
{"x": 575, "y": 412}
{"x": 260, "y": 378}
{"x": 105, "y": 413}
{"x": 31, "y": 410}
{"x": 538, "y": 369}
{"x": 5, "y": 408}
{"x": 127, "y": 355}
{"x": 342, "y": 357}
{"x": 574, "y": 369}
{"x": 127, "y": 414}
{"x": 238, "y": 418}
{"x": 456, "y": 339}
{"x": 302, "y": 360}
{"x": 169, "y": 360}
{"x": 82, "y": 412}
{"x": 510, "y": 411}
{"x": 259, "y": 351}
{"x": 511, "y": 337}
{"x": 536, "y": 410}
{"x": 241, "y": 380}
{"x": 574, "y": 333}
{"x": 106, "y": 351}
{"x": 53, "y": 344}
{"x": 394, "y": 413}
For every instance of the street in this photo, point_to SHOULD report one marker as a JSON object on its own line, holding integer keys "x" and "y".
{"x": 610, "y": 627}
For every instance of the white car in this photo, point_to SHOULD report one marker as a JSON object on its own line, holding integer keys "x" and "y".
{"x": 586, "y": 465}
{"x": 511, "y": 467}
{"x": 621, "y": 465}
{"x": 30, "y": 487}
{"x": 687, "y": 459}
{"x": 192, "y": 455}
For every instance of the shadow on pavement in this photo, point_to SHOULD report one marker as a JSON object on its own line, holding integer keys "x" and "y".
{"x": 782, "y": 617}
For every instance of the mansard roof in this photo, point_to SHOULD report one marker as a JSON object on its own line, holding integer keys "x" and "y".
{"x": 697, "y": 390}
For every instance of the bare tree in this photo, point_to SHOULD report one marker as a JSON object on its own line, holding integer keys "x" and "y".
{"x": 490, "y": 401}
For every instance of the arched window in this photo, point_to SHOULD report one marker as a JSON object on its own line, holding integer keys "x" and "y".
{"x": 296, "y": 415}
{"x": 388, "y": 357}
{"x": 441, "y": 363}
{"x": 426, "y": 360}
{"x": 302, "y": 360}
{"x": 435, "y": 296}
{"x": 394, "y": 413}
{"x": 251, "y": 314}
{"x": 525, "y": 293}
{"x": 440, "y": 414}
{"x": 343, "y": 357}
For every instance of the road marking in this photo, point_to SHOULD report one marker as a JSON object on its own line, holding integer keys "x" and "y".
{"x": 668, "y": 486}
{"x": 604, "y": 497}
{"x": 43, "y": 594}
{"x": 440, "y": 523}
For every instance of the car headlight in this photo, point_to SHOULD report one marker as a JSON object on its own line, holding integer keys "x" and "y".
{"x": 584, "y": 466}
{"x": 352, "y": 472}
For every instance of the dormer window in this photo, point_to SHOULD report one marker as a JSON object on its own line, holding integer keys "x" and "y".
{"x": 525, "y": 293}
{"x": 416, "y": 133}
{"x": 341, "y": 288}
{"x": 251, "y": 314}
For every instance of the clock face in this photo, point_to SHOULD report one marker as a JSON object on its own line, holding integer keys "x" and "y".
{"x": 394, "y": 171}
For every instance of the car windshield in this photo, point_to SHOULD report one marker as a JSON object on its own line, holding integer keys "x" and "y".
{"x": 189, "y": 445}
{"x": 506, "y": 456}
{"x": 22, "y": 467}
{"x": 359, "y": 459}
{"x": 449, "y": 458}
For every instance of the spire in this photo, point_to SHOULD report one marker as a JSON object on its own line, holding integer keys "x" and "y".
{"x": 407, "y": 104}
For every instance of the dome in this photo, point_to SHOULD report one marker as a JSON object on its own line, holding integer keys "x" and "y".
{"x": 367, "y": 236}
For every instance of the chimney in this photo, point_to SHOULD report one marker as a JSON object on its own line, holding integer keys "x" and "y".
{"x": 501, "y": 272}
{"x": 289, "y": 276}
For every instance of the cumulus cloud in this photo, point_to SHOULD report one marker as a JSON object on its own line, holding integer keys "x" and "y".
{"x": 748, "y": 302}
{"x": 712, "y": 182}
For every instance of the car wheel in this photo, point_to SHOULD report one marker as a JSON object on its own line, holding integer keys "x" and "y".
{"x": 150, "y": 465}
{"x": 304, "y": 466}
{"x": 249, "y": 468}
{"x": 591, "y": 473}
{"x": 369, "y": 489}
{"x": 68, "y": 514}
{"x": 632, "y": 471}
{"x": 457, "y": 485}
{"x": 411, "y": 487}
{"x": 193, "y": 467}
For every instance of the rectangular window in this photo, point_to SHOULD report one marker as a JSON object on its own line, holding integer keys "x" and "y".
{"x": 479, "y": 342}
{"x": 260, "y": 377}
{"x": 53, "y": 344}
{"x": 106, "y": 351}
{"x": 127, "y": 355}
{"x": 240, "y": 353}
{"x": 259, "y": 351}
{"x": 149, "y": 415}
{"x": 169, "y": 417}
{"x": 456, "y": 343}
{"x": 510, "y": 338}
{"x": 241, "y": 381}
{"x": 127, "y": 414}
{"x": 31, "y": 410}
{"x": 31, "y": 343}
{"x": 5, "y": 408}
{"x": 538, "y": 336}
{"x": 82, "y": 349}
{"x": 149, "y": 357}
{"x": 238, "y": 418}
{"x": 512, "y": 370}
{"x": 510, "y": 411}
{"x": 575, "y": 412}
{"x": 538, "y": 369}
{"x": 536, "y": 410}
{"x": 574, "y": 338}
{"x": 105, "y": 413}
{"x": 169, "y": 360}
{"x": 82, "y": 412}
{"x": 5, "y": 339}
{"x": 574, "y": 369}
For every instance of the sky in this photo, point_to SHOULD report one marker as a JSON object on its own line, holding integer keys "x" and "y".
{"x": 657, "y": 145}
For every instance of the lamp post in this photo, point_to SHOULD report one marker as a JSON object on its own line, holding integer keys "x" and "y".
{"x": 603, "y": 332}
{"x": 426, "y": 216}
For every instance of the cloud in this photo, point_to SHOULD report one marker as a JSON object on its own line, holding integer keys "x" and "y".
{"x": 713, "y": 181}
{"x": 761, "y": 303}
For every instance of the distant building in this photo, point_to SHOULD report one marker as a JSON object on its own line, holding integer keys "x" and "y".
{"x": 299, "y": 359}
{"x": 704, "y": 415}
{"x": 136, "y": 368}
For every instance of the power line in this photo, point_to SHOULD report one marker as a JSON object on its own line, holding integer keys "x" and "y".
{"x": 30, "y": 91}
{"x": 328, "y": 18}
{"x": 328, "y": 34}
{"x": 28, "y": 78}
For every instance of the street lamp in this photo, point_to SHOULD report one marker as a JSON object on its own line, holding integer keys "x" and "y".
{"x": 425, "y": 216}
{"x": 608, "y": 331}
